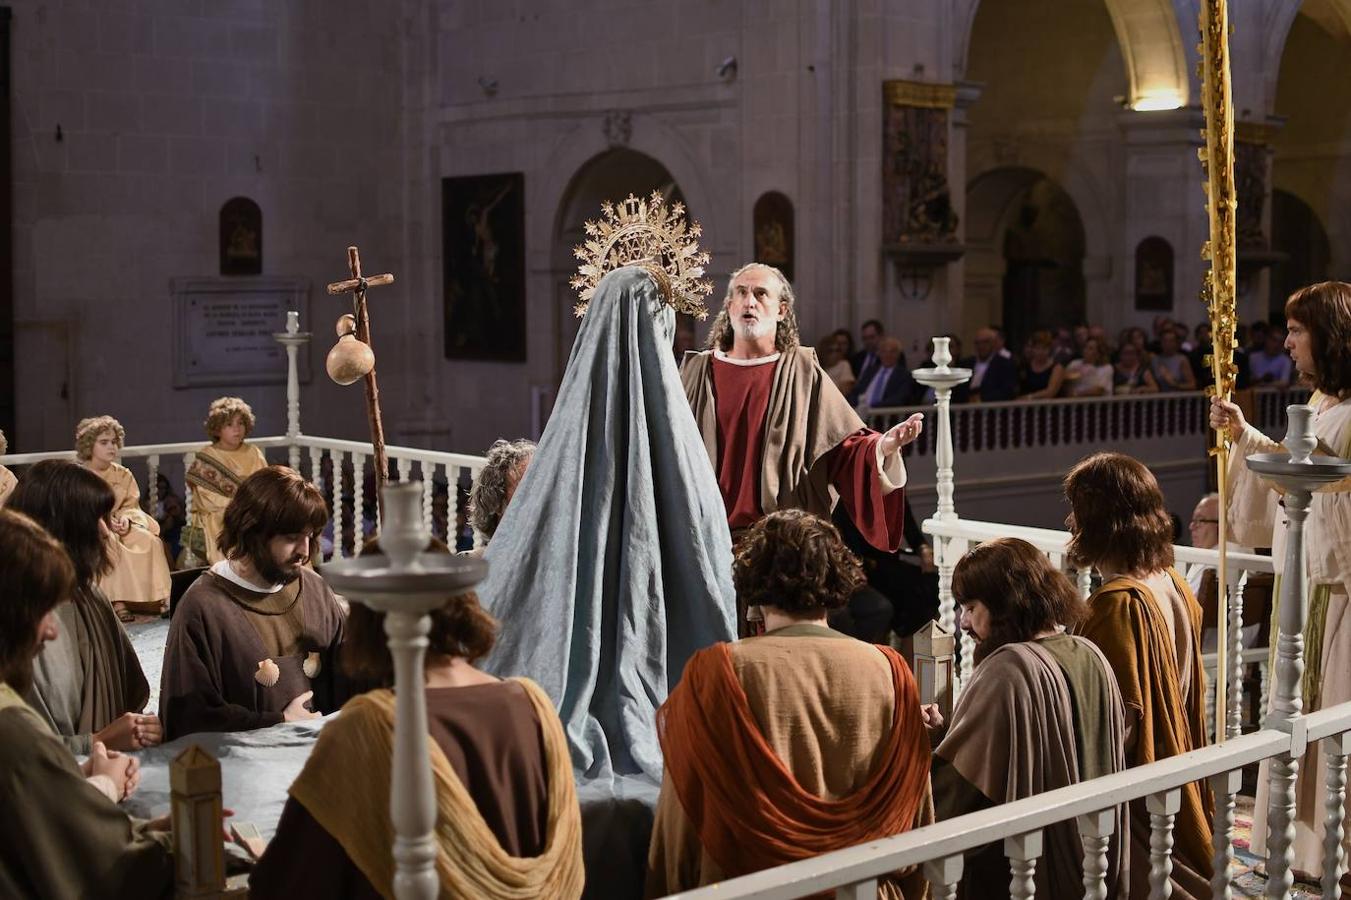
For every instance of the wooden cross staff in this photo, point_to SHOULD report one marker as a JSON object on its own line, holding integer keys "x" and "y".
{"x": 357, "y": 285}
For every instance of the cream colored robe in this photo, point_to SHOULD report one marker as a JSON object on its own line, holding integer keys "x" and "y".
{"x": 1257, "y": 520}
{"x": 140, "y": 574}
{"x": 7, "y": 484}
{"x": 796, "y": 679}
{"x": 208, "y": 506}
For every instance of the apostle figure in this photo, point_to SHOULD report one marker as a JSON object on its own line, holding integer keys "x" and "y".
{"x": 215, "y": 474}
{"x": 255, "y": 638}
{"x": 792, "y": 744}
{"x": 7, "y": 479}
{"x": 138, "y": 581}
{"x": 60, "y": 835}
{"x": 507, "y": 823}
{"x": 87, "y": 681}
{"x": 1041, "y": 712}
{"x": 777, "y": 431}
{"x": 1147, "y": 623}
{"x": 495, "y": 485}
{"x": 613, "y": 564}
{"x": 1318, "y": 320}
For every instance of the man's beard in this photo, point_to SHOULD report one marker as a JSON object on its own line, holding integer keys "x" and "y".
{"x": 761, "y": 328}
{"x": 273, "y": 572}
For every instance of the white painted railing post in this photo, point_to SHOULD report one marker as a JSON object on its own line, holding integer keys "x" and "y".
{"x": 1023, "y": 851}
{"x": 406, "y": 586}
{"x": 943, "y": 876}
{"x": 1298, "y": 474}
{"x": 1225, "y": 787}
{"x": 1238, "y": 582}
{"x": 339, "y": 519}
{"x": 943, "y": 379}
{"x": 292, "y": 339}
{"x": 428, "y": 482}
{"x": 187, "y": 491}
{"x": 1084, "y": 581}
{"x": 1095, "y": 831}
{"x": 1162, "y": 809}
{"x": 152, "y": 482}
{"x": 1337, "y": 749}
{"x": 358, "y": 502}
{"x": 863, "y": 890}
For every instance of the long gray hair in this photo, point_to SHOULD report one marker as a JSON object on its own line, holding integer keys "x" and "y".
{"x": 488, "y": 497}
{"x": 786, "y": 336}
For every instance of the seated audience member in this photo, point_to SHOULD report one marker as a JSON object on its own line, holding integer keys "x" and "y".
{"x": 1257, "y": 337}
{"x": 892, "y": 385}
{"x": 1041, "y": 712}
{"x": 1272, "y": 365}
{"x": 1137, "y": 338}
{"x": 87, "y": 681}
{"x": 495, "y": 485}
{"x": 866, "y": 361}
{"x": 830, "y": 353}
{"x": 138, "y": 581}
{"x": 792, "y": 744}
{"x": 171, "y": 516}
{"x": 1172, "y": 370}
{"x": 1092, "y": 374}
{"x": 1132, "y": 375}
{"x": 994, "y": 376}
{"x": 7, "y": 479}
{"x": 1147, "y": 623}
{"x": 847, "y": 346}
{"x": 1044, "y": 376}
{"x": 507, "y": 821}
{"x": 255, "y": 638}
{"x": 65, "y": 836}
{"x": 215, "y": 474}
{"x": 1205, "y": 533}
{"x": 1161, "y": 325}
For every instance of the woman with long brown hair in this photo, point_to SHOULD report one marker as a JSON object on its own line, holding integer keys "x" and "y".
{"x": 1147, "y": 623}
{"x": 87, "y": 682}
{"x": 1318, "y": 338}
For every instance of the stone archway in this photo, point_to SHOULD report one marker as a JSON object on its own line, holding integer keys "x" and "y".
{"x": 1296, "y": 233}
{"x": 1151, "y": 47}
{"x": 1025, "y": 253}
{"x": 611, "y": 175}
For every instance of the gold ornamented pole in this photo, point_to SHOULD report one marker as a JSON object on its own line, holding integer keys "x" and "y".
{"x": 1218, "y": 291}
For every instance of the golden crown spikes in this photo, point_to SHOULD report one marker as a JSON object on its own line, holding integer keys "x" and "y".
{"x": 650, "y": 234}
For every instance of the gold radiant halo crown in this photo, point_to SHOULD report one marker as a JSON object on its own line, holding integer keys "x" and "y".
{"x": 650, "y": 234}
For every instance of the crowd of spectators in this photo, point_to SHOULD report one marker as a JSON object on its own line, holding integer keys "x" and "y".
{"x": 1082, "y": 361}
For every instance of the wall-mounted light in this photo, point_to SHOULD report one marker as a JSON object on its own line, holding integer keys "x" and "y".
{"x": 727, "y": 69}
{"x": 1151, "y": 101}
{"x": 488, "y": 84}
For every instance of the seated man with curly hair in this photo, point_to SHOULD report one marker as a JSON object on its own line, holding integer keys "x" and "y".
{"x": 792, "y": 744}
{"x": 495, "y": 484}
{"x": 214, "y": 476}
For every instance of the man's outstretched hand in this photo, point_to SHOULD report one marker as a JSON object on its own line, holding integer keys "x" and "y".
{"x": 902, "y": 434}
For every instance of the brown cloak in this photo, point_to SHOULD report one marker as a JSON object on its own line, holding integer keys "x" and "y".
{"x": 1037, "y": 716}
{"x": 60, "y": 837}
{"x": 807, "y": 418}
{"x": 220, "y": 633}
{"x": 1125, "y": 621}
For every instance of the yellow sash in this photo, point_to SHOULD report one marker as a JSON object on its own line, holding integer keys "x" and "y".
{"x": 345, "y": 786}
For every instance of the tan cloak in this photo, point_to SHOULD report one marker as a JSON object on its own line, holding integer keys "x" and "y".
{"x": 60, "y": 837}
{"x": 794, "y": 679}
{"x": 807, "y": 418}
{"x": 1125, "y": 621}
{"x": 140, "y": 574}
{"x": 89, "y": 675}
{"x": 1037, "y": 716}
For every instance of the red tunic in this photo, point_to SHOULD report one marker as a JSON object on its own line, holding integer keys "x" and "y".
{"x": 741, "y": 396}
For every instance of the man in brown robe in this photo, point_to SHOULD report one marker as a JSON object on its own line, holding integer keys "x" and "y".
{"x": 1041, "y": 712}
{"x": 792, "y": 744}
{"x": 255, "y": 639}
{"x": 778, "y": 432}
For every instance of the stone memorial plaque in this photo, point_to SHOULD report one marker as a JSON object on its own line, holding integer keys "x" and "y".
{"x": 223, "y": 330}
